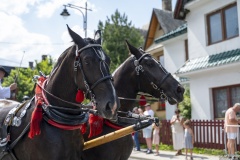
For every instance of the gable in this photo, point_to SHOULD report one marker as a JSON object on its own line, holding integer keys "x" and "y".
{"x": 162, "y": 19}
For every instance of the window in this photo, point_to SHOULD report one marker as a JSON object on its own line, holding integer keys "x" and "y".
{"x": 225, "y": 97}
{"x": 222, "y": 24}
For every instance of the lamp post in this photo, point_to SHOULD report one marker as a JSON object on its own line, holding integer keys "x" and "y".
{"x": 65, "y": 14}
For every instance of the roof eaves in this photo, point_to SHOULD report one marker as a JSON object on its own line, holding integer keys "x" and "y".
{"x": 215, "y": 60}
{"x": 179, "y": 31}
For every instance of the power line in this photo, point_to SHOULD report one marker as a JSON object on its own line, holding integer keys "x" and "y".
{"x": 8, "y": 60}
{"x": 9, "y": 43}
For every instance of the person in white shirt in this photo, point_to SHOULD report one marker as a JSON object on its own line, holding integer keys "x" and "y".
{"x": 5, "y": 92}
{"x": 147, "y": 132}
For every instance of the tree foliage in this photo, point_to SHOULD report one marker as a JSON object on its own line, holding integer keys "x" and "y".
{"x": 116, "y": 30}
{"x": 24, "y": 76}
{"x": 185, "y": 105}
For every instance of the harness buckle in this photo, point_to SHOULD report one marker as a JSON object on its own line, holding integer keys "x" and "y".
{"x": 16, "y": 121}
{"x": 139, "y": 68}
{"x": 163, "y": 95}
{"x": 154, "y": 85}
{"x": 4, "y": 141}
{"x": 76, "y": 64}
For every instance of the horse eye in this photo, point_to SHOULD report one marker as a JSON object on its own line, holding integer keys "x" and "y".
{"x": 149, "y": 63}
{"x": 87, "y": 61}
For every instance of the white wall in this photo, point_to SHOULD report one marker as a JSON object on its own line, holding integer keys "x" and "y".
{"x": 197, "y": 31}
{"x": 201, "y": 85}
{"x": 174, "y": 58}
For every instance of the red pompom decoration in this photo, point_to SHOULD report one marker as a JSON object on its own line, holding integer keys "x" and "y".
{"x": 79, "y": 96}
{"x": 36, "y": 121}
{"x": 142, "y": 101}
{"x": 96, "y": 125}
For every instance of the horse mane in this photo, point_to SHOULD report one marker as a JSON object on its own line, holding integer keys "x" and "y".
{"x": 59, "y": 61}
{"x": 122, "y": 64}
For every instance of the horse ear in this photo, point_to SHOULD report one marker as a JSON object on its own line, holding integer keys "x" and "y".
{"x": 76, "y": 38}
{"x": 133, "y": 50}
{"x": 98, "y": 37}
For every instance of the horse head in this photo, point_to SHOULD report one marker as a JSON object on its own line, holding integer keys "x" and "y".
{"x": 149, "y": 76}
{"x": 84, "y": 67}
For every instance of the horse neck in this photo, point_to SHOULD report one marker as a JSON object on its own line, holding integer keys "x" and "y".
{"x": 61, "y": 85}
{"x": 126, "y": 86}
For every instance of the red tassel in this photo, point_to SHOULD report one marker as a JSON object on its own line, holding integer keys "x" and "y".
{"x": 96, "y": 125}
{"x": 79, "y": 96}
{"x": 36, "y": 121}
{"x": 142, "y": 101}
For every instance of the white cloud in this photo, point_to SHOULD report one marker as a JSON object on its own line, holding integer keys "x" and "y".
{"x": 16, "y": 6}
{"x": 15, "y": 39}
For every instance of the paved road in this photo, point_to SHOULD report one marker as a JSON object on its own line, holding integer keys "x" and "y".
{"x": 166, "y": 155}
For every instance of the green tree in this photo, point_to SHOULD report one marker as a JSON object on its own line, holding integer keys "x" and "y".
{"x": 24, "y": 76}
{"x": 185, "y": 105}
{"x": 116, "y": 30}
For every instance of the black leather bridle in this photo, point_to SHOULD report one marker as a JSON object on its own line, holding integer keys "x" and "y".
{"x": 139, "y": 69}
{"x": 78, "y": 65}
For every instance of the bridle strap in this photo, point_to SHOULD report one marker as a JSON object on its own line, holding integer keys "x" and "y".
{"x": 100, "y": 80}
{"x": 163, "y": 80}
{"x": 88, "y": 46}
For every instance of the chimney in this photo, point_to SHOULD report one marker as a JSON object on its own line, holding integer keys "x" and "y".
{"x": 30, "y": 65}
{"x": 167, "y": 5}
{"x": 44, "y": 57}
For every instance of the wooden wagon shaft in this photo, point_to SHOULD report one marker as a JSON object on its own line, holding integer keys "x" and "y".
{"x": 117, "y": 134}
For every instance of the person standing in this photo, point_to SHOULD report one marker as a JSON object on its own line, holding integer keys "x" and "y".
{"x": 135, "y": 134}
{"x": 5, "y": 92}
{"x": 232, "y": 131}
{"x": 156, "y": 138}
{"x": 188, "y": 138}
{"x": 177, "y": 132}
{"x": 147, "y": 132}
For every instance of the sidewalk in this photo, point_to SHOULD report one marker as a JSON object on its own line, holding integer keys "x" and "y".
{"x": 166, "y": 155}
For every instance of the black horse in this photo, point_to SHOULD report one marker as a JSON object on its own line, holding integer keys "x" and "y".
{"x": 83, "y": 66}
{"x": 139, "y": 73}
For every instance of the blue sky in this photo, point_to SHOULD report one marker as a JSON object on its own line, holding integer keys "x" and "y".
{"x": 30, "y": 28}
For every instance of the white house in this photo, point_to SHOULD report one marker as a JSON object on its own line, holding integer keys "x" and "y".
{"x": 162, "y": 23}
{"x": 206, "y": 53}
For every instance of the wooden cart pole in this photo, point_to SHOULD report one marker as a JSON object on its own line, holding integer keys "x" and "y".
{"x": 115, "y": 135}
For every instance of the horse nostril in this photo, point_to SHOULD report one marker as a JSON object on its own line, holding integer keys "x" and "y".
{"x": 179, "y": 89}
{"x": 108, "y": 106}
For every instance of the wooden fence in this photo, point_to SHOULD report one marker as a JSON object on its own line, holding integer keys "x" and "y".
{"x": 207, "y": 134}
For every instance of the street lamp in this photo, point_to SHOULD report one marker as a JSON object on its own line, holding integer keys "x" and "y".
{"x": 65, "y": 14}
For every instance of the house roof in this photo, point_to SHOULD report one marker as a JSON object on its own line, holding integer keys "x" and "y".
{"x": 166, "y": 21}
{"x": 179, "y": 31}
{"x": 210, "y": 61}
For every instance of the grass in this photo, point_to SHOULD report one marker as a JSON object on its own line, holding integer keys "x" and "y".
{"x": 195, "y": 150}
